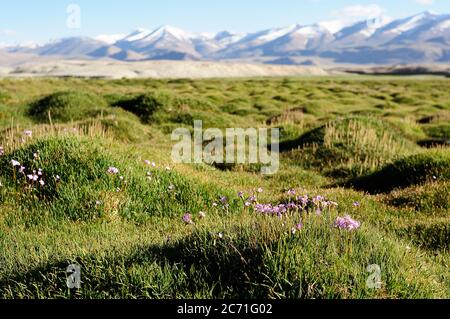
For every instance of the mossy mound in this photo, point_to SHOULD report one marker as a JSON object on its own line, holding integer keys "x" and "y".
{"x": 433, "y": 165}
{"x": 351, "y": 145}
{"x": 172, "y": 111}
{"x": 77, "y": 185}
{"x": 430, "y": 236}
{"x": 123, "y": 126}
{"x": 63, "y": 107}
{"x": 72, "y": 169}
{"x": 429, "y": 198}
{"x": 441, "y": 117}
{"x": 145, "y": 105}
{"x": 439, "y": 131}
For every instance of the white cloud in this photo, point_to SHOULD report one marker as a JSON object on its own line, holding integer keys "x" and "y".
{"x": 359, "y": 12}
{"x": 425, "y": 2}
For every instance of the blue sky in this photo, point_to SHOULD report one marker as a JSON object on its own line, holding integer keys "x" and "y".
{"x": 31, "y": 20}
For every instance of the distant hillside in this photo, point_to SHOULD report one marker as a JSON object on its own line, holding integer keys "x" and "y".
{"x": 154, "y": 69}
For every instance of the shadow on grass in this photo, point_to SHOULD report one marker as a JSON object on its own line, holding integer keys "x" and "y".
{"x": 198, "y": 263}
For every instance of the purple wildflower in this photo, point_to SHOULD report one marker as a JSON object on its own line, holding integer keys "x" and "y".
{"x": 187, "y": 218}
{"x": 296, "y": 228}
{"x": 260, "y": 190}
{"x": 291, "y": 192}
{"x": 347, "y": 223}
{"x": 303, "y": 200}
{"x": 356, "y": 204}
{"x": 318, "y": 200}
{"x": 28, "y": 133}
{"x": 291, "y": 206}
{"x": 241, "y": 195}
{"x": 113, "y": 170}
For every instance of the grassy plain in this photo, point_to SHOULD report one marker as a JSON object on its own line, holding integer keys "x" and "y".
{"x": 377, "y": 146}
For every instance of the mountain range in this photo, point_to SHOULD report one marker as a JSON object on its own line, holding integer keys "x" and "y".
{"x": 422, "y": 38}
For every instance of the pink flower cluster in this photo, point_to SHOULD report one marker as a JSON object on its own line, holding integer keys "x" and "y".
{"x": 33, "y": 177}
{"x": 271, "y": 209}
{"x": 305, "y": 204}
{"x": 300, "y": 203}
{"x": 36, "y": 176}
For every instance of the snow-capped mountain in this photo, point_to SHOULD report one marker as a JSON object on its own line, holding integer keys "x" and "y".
{"x": 396, "y": 30}
{"x": 359, "y": 32}
{"x": 424, "y": 37}
{"x": 67, "y": 47}
{"x": 165, "y": 42}
{"x": 432, "y": 28}
{"x": 278, "y": 41}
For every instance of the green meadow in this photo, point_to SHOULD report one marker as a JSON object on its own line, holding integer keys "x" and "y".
{"x": 86, "y": 178}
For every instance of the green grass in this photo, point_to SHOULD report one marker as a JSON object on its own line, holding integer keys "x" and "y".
{"x": 349, "y": 139}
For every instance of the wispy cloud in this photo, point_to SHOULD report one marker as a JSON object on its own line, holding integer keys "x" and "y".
{"x": 357, "y": 12}
{"x": 425, "y": 2}
{"x": 7, "y": 32}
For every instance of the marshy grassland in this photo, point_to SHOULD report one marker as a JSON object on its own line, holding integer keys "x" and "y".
{"x": 87, "y": 178}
